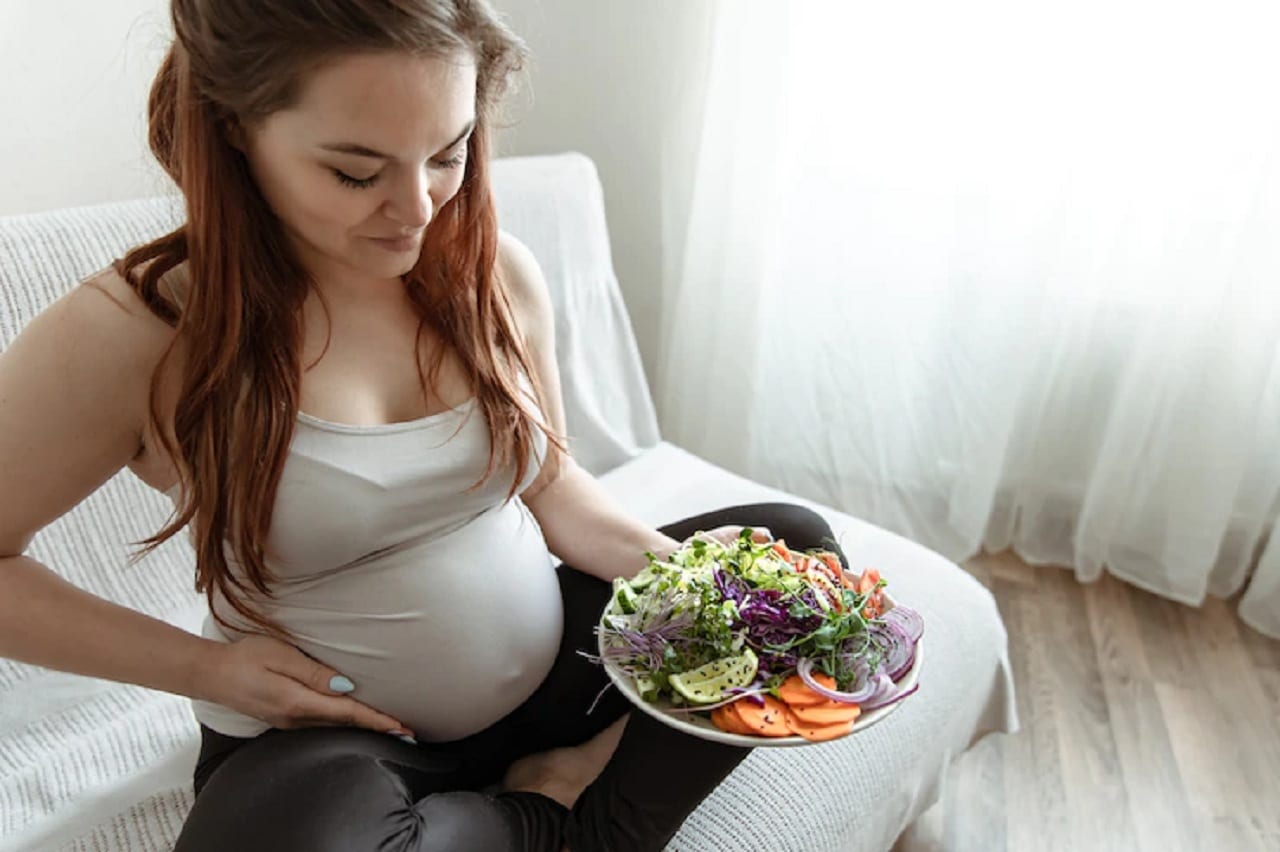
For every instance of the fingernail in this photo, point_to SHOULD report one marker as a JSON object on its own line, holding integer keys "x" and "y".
{"x": 339, "y": 683}
{"x": 410, "y": 740}
{"x": 403, "y": 735}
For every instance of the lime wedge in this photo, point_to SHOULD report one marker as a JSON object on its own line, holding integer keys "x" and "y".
{"x": 706, "y": 684}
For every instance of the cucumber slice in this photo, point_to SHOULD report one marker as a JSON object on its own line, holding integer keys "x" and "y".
{"x": 623, "y": 594}
{"x": 643, "y": 580}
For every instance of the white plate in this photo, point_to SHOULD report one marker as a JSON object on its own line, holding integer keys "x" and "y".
{"x": 699, "y": 725}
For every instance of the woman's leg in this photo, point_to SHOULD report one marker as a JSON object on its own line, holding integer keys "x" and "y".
{"x": 337, "y": 789}
{"x": 657, "y": 775}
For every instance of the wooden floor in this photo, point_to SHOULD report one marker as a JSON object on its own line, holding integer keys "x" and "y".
{"x": 1146, "y": 725}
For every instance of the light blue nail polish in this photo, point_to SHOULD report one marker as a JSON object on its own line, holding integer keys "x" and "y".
{"x": 339, "y": 683}
{"x": 410, "y": 740}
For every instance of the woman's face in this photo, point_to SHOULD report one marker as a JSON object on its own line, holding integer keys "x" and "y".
{"x": 358, "y": 168}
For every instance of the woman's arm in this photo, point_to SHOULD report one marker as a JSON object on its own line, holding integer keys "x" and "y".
{"x": 74, "y": 391}
{"x": 582, "y": 523}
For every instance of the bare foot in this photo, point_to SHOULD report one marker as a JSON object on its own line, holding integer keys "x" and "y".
{"x": 563, "y": 773}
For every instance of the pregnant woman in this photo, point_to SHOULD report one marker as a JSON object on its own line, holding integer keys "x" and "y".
{"x": 343, "y": 374}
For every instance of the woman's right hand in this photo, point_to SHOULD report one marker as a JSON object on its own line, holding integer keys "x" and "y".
{"x": 273, "y": 681}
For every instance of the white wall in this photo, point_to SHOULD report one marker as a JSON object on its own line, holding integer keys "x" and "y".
{"x": 608, "y": 78}
{"x": 74, "y": 76}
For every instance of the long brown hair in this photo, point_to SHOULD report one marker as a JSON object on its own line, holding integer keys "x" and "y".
{"x": 241, "y": 321}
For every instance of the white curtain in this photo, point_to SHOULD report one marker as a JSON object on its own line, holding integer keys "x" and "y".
{"x": 993, "y": 274}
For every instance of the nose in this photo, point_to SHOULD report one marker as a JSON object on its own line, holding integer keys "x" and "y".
{"x": 411, "y": 204}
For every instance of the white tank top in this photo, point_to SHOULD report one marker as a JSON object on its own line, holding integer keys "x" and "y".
{"x": 441, "y": 605}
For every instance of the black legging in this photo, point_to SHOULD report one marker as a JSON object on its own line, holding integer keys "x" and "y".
{"x": 347, "y": 789}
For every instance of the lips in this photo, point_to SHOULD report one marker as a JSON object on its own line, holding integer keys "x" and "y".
{"x": 397, "y": 243}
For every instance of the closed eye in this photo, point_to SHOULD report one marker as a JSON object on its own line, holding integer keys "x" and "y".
{"x": 364, "y": 183}
{"x": 358, "y": 183}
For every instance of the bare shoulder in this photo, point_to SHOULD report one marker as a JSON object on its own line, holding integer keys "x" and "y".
{"x": 106, "y": 304}
{"x": 108, "y": 338}
{"x": 150, "y": 337}
{"x": 530, "y": 294}
{"x": 173, "y": 285}
{"x": 74, "y": 396}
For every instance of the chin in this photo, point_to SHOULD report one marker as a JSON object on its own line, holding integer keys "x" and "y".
{"x": 380, "y": 262}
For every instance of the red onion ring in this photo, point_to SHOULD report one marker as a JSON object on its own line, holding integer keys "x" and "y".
{"x": 911, "y": 621}
{"x": 899, "y": 648}
{"x": 868, "y": 690}
{"x": 893, "y": 700}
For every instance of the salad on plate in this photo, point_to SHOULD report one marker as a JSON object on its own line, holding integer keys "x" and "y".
{"x": 755, "y": 643}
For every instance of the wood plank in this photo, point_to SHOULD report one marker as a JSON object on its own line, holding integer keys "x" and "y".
{"x": 1264, "y": 651}
{"x": 1269, "y": 683}
{"x": 1206, "y": 749}
{"x": 1264, "y": 654}
{"x": 1033, "y": 774}
{"x": 1117, "y": 638}
{"x": 1229, "y": 671}
{"x": 1171, "y": 653}
{"x": 1157, "y": 801}
{"x": 1091, "y": 769}
{"x": 1225, "y": 737}
{"x": 1008, "y": 567}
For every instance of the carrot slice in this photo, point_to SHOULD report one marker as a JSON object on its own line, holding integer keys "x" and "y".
{"x": 718, "y": 719}
{"x": 829, "y": 713}
{"x": 818, "y": 733}
{"x": 737, "y": 717}
{"x": 735, "y": 713}
{"x": 797, "y": 693}
{"x": 727, "y": 720}
{"x": 769, "y": 720}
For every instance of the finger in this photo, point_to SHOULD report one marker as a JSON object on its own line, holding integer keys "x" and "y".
{"x": 348, "y": 711}
{"x": 343, "y": 711}
{"x": 318, "y": 676}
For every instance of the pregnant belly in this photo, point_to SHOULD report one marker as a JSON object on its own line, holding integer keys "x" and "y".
{"x": 448, "y": 637}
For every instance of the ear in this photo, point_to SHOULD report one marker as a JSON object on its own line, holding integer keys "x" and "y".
{"x": 233, "y": 132}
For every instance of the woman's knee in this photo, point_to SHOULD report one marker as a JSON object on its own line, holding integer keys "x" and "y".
{"x": 329, "y": 802}
{"x": 283, "y": 796}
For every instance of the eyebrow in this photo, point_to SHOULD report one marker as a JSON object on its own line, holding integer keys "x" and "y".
{"x": 362, "y": 151}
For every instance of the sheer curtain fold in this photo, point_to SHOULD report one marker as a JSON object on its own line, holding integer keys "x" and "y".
{"x": 943, "y": 273}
